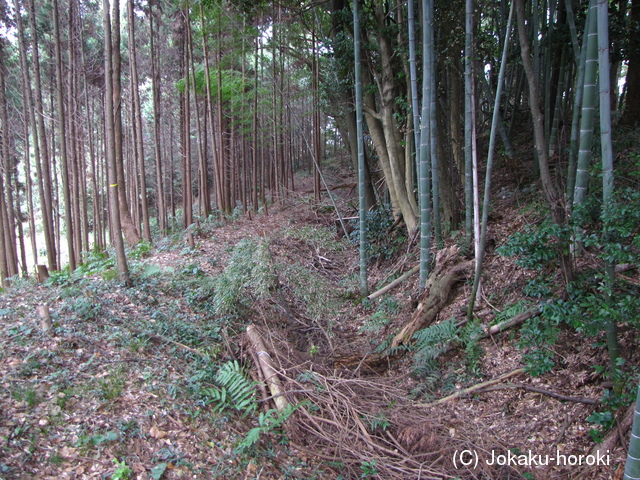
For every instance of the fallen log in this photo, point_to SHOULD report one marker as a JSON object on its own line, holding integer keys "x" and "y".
{"x": 269, "y": 371}
{"x": 449, "y": 270}
{"x": 396, "y": 282}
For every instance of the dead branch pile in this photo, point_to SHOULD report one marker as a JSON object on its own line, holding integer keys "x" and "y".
{"x": 361, "y": 425}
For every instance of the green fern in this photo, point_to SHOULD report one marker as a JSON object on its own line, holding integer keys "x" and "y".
{"x": 267, "y": 422}
{"x": 233, "y": 389}
{"x": 431, "y": 342}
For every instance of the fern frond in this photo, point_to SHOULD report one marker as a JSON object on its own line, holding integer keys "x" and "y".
{"x": 431, "y": 342}
{"x": 437, "y": 333}
{"x": 234, "y": 390}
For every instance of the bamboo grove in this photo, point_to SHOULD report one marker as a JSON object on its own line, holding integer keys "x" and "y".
{"x": 122, "y": 121}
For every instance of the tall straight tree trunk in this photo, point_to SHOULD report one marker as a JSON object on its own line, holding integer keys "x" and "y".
{"x": 588, "y": 111}
{"x": 575, "y": 135}
{"x": 128, "y": 227}
{"x": 9, "y": 260}
{"x": 203, "y": 169}
{"x": 217, "y": 154}
{"x": 413, "y": 77}
{"x": 187, "y": 192}
{"x": 631, "y": 115}
{"x": 551, "y": 193}
{"x": 469, "y": 131}
{"x": 254, "y": 129}
{"x": 78, "y": 194}
{"x": 43, "y": 165}
{"x": 64, "y": 161}
{"x": 137, "y": 123}
{"x": 487, "y": 185}
{"x": 424, "y": 166}
{"x": 155, "y": 87}
{"x": 383, "y": 127}
{"x": 110, "y": 141}
{"x": 29, "y": 124}
{"x": 223, "y": 157}
{"x": 429, "y": 33}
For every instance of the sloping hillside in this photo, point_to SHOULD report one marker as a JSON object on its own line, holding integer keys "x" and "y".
{"x": 157, "y": 381}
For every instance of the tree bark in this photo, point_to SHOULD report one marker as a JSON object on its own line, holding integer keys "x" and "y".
{"x": 64, "y": 161}
{"x": 551, "y": 193}
{"x": 43, "y": 165}
{"x": 128, "y": 227}
{"x": 631, "y": 115}
{"x": 110, "y": 141}
{"x": 155, "y": 81}
{"x": 137, "y": 124}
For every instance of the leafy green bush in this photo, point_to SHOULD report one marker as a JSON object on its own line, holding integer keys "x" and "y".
{"x": 537, "y": 247}
{"x": 380, "y": 243}
{"x": 141, "y": 250}
{"x": 318, "y": 296}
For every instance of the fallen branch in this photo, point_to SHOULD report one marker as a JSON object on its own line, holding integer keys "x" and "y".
{"x": 397, "y": 281}
{"x": 268, "y": 369}
{"x": 517, "y": 320}
{"x": 474, "y": 388}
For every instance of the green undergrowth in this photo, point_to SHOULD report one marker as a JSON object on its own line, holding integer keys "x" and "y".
{"x": 113, "y": 342}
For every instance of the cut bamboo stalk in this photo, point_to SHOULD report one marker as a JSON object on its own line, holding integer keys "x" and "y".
{"x": 268, "y": 369}
{"x": 396, "y": 282}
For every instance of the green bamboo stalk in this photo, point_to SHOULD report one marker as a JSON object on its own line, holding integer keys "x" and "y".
{"x": 577, "y": 109}
{"x": 364, "y": 288}
{"x": 557, "y": 110}
{"x": 424, "y": 181}
{"x": 588, "y": 110}
{"x": 413, "y": 75}
{"x": 632, "y": 467}
{"x": 606, "y": 147}
{"x": 468, "y": 125}
{"x": 487, "y": 184}
{"x": 431, "y": 72}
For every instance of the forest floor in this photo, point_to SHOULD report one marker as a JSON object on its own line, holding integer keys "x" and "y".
{"x": 130, "y": 383}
